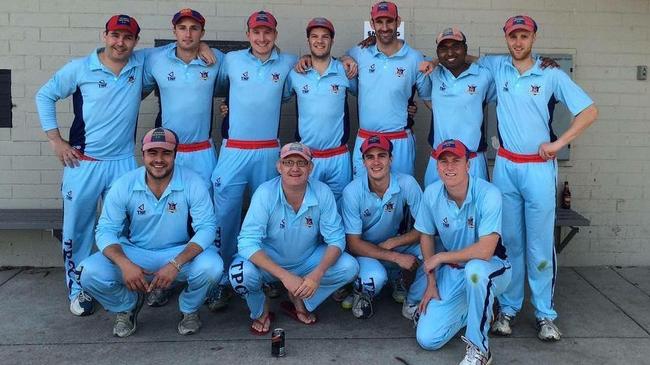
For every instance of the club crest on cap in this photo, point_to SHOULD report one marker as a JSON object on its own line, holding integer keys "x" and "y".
{"x": 158, "y": 135}
{"x": 124, "y": 20}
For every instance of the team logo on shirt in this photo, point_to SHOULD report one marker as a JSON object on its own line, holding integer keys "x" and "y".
{"x": 366, "y": 213}
{"x": 283, "y": 223}
{"x": 470, "y": 222}
{"x": 445, "y": 222}
{"x": 131, "y": 79}
{"x": 141, "y": 210}
{"x": 389, "y": 207}
{"x": 275, "y": 77}
{"x": 171, "y": 207}
{"x": 171, "y": 76}
{"x": 102, "y": 84}
{"x": 244, "y": 76}
{"x": 471, "y": 89}
{"x": 443, "y": 87}
{"x": 204, "y": 75}
{"x": 505, "y": 87}
{"x": 399, "y": 72}
{"x": 534, "y": 89}
{"x": 305, "y": 89}
{"x": 68, "y": 195}
{"x": 335, "y": 88}
{"x": 371, "y": 69}
{"x": 217, "y": 182}
{"x": 309, "y": 222}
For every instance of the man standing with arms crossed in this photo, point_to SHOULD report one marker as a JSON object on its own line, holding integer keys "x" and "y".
{"x": 106, "y": 87}
{"x": 526, "y": 170}
{"x": 154, "y": 204}
{"x": 255, "y": 79}
{"x": 463, "y": 275}
{"x": 293, "y": 234}
{"x": 377, "y": 212}
{"x": 323, "y": 120}
{"x": 388, "y": 72}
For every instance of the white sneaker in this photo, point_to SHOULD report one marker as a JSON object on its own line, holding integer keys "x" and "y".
{"x": 547, "y": 330}
{"x": 502, "y": 325}
{"x": 82, "y": 305}
{"x": 474, "y": 356}
{"x": 408, "y": 310}
{"x": 127, "y": 322}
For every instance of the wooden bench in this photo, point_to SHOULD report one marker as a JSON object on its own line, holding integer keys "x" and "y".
{"x": 47, "y": 219}
{"x": 567, "y": 218}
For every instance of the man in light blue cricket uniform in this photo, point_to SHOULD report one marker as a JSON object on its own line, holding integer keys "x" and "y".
{"x": 462, "y": 276}
{"x": 156, "y": 204}
{"x": 249, "y": 151}
{"x": 388, "y": 74}
{"x": 525, "y": 170}
{"x": 106, "y": 88}
{"x": 187, "y": 86}
{"x": 377, "y": 212}
{"x": 323, "y": 120}
{"x": 292, "y": 233}
{"x": 460, "y": 91}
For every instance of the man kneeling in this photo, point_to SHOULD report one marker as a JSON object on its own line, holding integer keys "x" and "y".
{"x": 144, "y": 240}
{"x": 279, "y": 241}
{"x": 464, "y": 275}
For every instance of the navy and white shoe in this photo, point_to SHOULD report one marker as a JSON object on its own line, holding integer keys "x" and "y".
{"x": 82, "y": 305}
{"x": 474, "y": 356}
{"x": 127, "y": 322}
{"x": 362, "y": 306}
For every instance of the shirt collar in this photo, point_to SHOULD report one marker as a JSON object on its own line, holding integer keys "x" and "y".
{"x": 393, "y": 186}
{"x": 468, "y": 198}
{"x": 400, "y": 53}
{"x": 535, "y": 70}
{"x": 473, "y": 69}
{"x": 330, "y": 70}
{"x": 274, "y": 55}
{"x": 308, "y": 201}
{"x": 171, "y": 53}
{"x": 96, "y": 64}
{"x": 176, "y": 183}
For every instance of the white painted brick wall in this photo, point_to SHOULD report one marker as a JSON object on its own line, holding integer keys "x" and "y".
{"x": 610, "y": 164}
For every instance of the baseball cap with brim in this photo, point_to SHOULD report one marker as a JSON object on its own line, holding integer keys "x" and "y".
{"x": 262, "y": 19}
{"x": 451, "y": 33}
{"x": 160, "y": 138}
{"x": 123, "y": 22}
{"x": 453, "y": 146}
{"x": 296, "y": 148}
{"x": 320, "y": 23}
{"x": 377, "y": 141}
{"x": 383, "y": 9}
{"x": 520, "y": 22}
{"x": 188, "y": 13}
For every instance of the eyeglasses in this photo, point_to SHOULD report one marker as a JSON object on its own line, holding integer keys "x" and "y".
{"x": 300, "y": 163}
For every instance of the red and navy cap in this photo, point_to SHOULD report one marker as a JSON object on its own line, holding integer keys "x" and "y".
{"x": 123, "y": 22}
{"x": 453, "y": 146}
{"x": 520, "y": 22}
{"x": 378, "y": 141}
{"x": 160, "y": 138}
{"x": 188, "y": 13}
{"x": 384, "y": 9}
{"x": 320, "y": 23}
{"x": 262, "y": 19}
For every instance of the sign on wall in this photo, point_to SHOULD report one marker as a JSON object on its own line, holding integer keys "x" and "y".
{"x": 367, "y": 30}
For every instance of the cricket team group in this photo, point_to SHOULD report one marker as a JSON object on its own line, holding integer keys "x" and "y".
{"x": 322, "y": 221}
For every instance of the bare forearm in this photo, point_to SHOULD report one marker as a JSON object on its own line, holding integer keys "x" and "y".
{"x": 581, "y": 122}
{"x": 360, "y": 247}
{"x": 188, "y": 254}
{"x": 408, "y": 238}
{"x": 262, "y": 260}
{"x": 483, "y": 249}
{"x": 115, "y": 253}
{"x": 332, "y": 254}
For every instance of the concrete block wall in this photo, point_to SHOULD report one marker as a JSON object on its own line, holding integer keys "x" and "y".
{"x": 609, "y": 167}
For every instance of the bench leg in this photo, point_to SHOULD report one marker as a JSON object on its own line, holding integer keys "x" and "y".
{"x": 567, "y": 239}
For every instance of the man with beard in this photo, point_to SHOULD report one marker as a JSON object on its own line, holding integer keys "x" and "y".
{"x": 293, "y": 234}
{"x": 526, "y": 170}
{"x": 377, "y": 212}
{"x": 154, "y": 204}
{"x": 388, "y": 73}
{"x": 323, "y": 120}
{"x": 460, "y": 91}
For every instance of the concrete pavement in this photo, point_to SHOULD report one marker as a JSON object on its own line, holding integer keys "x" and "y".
{"x": 604, "y": 315}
